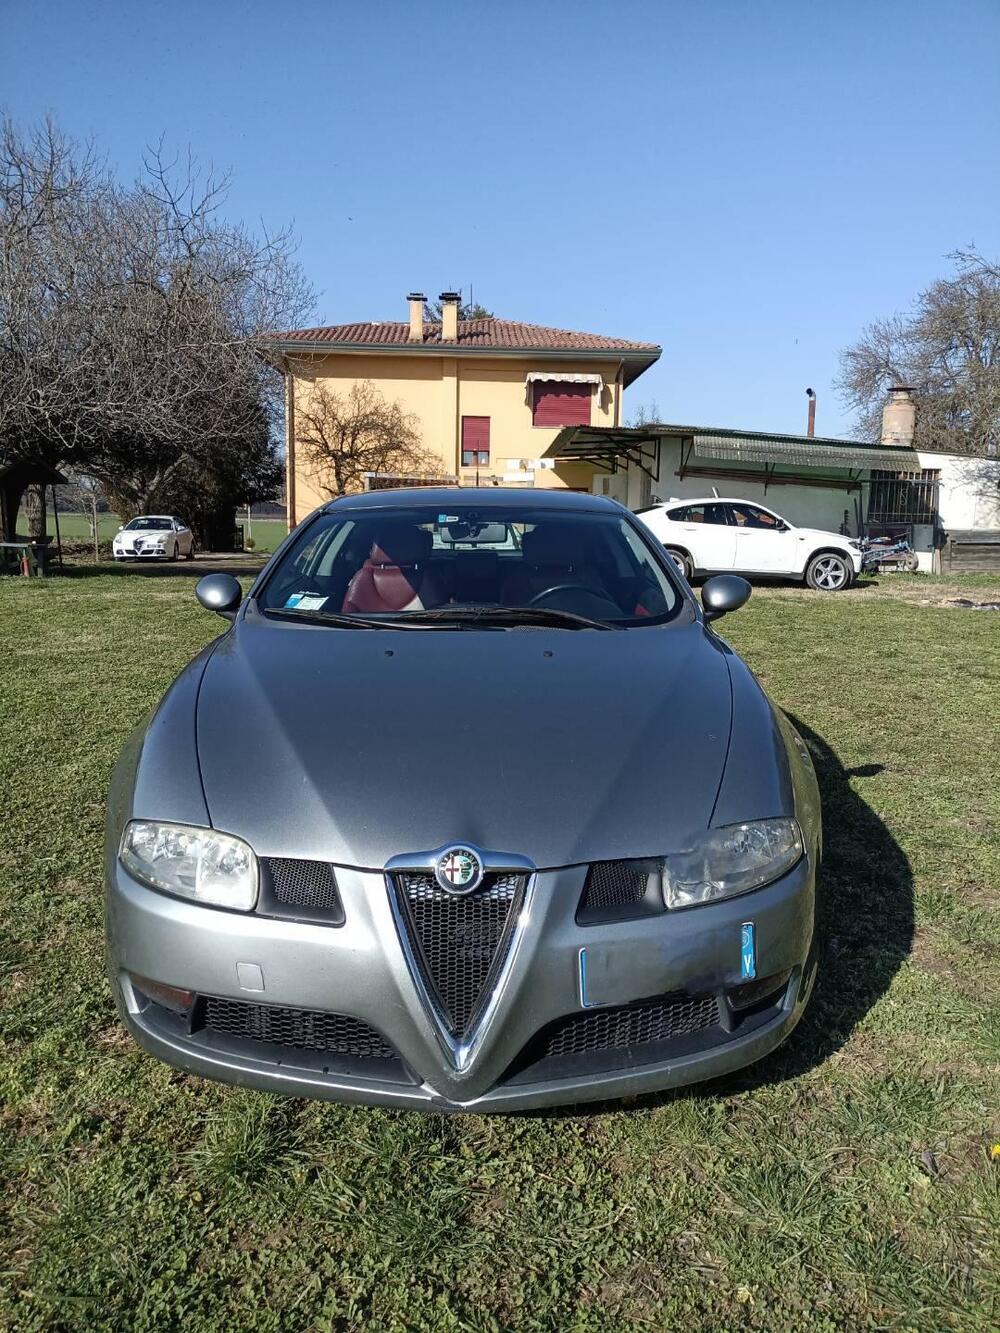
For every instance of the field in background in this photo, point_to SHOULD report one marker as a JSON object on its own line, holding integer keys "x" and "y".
{"x": 267, "y": 533}
{"x": 846, "y": 1182}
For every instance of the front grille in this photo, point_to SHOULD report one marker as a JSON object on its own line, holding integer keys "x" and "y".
{"x": 304, "y": 1029}
{"x": 304, "y": 883}
{"x": 642, "y": 1023}
{"x": 615, "y": 884}
{"x": 459, "y": 942}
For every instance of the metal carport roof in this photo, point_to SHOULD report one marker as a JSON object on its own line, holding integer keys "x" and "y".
{"x": 605, "y": 444}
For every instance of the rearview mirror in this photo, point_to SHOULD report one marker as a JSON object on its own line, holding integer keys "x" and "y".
{"x": 220, "y": 593}
{"x": 724, "y": 593}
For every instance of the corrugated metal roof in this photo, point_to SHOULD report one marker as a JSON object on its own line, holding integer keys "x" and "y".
{"x": 802, "y": 452}
{"x": 741, "y": 446}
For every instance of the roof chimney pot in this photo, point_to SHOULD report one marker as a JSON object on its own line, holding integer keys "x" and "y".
{"x": 449, "y": 316}
{"x": 416, "y": 300}
{"x": 899, "y": 417}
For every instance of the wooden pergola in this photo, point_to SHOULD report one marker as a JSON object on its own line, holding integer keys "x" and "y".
{"x": 15, "y": 479}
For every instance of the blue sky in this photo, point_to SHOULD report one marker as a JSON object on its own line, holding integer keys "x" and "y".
{"x": 745, "y": 183}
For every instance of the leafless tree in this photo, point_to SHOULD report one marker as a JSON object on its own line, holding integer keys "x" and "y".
{"x": 346, "y": 436}
{"x": 646, "y": 414}
{"x": 948, "y": 348}
{"x": 132, "y": 318}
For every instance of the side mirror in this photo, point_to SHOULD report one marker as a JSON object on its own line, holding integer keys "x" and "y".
{"x": 121, "y": 527}
{"x": 724, "y": 593}
{"x": 220, "y": 593}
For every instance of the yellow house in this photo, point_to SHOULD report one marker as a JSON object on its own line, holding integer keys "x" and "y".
{"x": 489, "y": 395}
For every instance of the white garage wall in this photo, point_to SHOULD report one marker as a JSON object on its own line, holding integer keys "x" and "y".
{"x": 970, "y": 490}
{"x": 803, "y": 506}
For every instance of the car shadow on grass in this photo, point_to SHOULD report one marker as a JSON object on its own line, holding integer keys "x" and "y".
{"x": 864, "y": 933}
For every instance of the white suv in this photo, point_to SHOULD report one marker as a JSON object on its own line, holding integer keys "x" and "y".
{"x": 705, "y": 536}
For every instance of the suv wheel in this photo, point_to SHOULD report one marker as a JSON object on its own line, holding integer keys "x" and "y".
{"x": 828, "y": 572}
{"x": 682, "y": 562}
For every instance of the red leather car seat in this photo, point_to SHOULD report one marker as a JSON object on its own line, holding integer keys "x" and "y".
{"x": 395, "y": 575}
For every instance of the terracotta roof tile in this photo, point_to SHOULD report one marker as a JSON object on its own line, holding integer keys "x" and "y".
{"x": 472, "y": 333}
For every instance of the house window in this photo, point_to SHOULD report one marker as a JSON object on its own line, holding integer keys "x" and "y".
{"x": 475, "y": 441}
{"x": 558, "y": 403}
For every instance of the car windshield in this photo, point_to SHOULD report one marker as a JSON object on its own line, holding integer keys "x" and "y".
{"x": 498, "y": 566}
{"x": 149, "y": 525}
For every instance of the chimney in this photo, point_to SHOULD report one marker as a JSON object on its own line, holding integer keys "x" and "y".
{"x": 811, "y": 425}
{"x": 416, "y": 300}
{"x": 899, "y": 416}
{"x": 449, "y": 316}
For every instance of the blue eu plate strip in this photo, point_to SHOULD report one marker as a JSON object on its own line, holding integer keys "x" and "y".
{"x": 584, "y": 1003}
{"x": 748, "y": 951}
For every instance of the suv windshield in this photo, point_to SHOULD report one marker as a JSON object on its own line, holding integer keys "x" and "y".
{"x": 499, "y": 565}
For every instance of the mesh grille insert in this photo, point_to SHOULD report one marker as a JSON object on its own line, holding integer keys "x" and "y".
{"x": 460, "y": 941}
{"x": 304, "y": 883}
{"x": 615, "y": 884}
{"x": 639, "y": 1024}
{"x": 305, "y": 1029}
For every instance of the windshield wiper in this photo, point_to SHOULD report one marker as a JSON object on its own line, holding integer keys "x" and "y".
{"x": 339, "y": 620}
{"x": 511, "y": 615}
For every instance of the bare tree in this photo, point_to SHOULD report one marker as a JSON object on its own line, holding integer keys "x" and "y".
{"x": 646, "y": 414}
{"x": 132, "y": 319}
{"x": 948, "y": 348}
{"x": 346, "y": 436}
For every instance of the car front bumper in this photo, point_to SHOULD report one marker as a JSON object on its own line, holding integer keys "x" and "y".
{"x": 359, "y": 970}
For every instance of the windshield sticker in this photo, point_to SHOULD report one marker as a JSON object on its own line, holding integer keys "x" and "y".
{"x": 447, "y": 518}
{"x": 304, "y": 601}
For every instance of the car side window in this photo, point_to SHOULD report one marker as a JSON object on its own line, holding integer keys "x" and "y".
{"x": 710, "y": 513}
{"x": 749, "y": 516}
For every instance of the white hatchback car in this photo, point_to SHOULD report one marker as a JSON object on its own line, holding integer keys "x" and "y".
{"x": 153, "y": 536}
{"x": 705, "y": 536}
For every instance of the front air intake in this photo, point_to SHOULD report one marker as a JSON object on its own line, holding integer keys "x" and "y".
{"x": 458, "y": 943}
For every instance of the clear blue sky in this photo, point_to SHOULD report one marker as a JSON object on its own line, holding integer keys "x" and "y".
{"x": 745, "y": 183}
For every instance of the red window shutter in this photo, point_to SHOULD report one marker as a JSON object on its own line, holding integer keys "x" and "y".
{"x": 559, "y": 404}
{"x": 476, "y": 435}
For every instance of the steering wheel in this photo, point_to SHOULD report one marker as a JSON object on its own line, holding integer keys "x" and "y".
{"x": 594, "y": 603}
{"x": 561, "y": 587}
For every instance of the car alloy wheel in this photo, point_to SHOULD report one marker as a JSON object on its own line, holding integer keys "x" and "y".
{"x": 682, "y": 563}
{"x": 828, "y": 572}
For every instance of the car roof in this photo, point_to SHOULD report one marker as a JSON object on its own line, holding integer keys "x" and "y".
{"x": 483, "y": 497}
{"x": 711, "y": 500}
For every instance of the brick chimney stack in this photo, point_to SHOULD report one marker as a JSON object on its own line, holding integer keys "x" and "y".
{"x": 449, "y": 316}
{"x": 416, "y": 300}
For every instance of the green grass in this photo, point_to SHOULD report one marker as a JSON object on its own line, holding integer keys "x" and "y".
{"x": 846, "y": 1182}
{"x": 267, "y": 532}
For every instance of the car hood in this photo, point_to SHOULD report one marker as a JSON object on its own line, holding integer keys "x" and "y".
{"x": 354, "y": 746}
{"x": 819, "y": 534}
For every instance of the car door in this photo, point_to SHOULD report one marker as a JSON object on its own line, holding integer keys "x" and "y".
{"x": 703, "y": 530}
{"x": 764, "y": 542}
{"x": 183, "y": 536}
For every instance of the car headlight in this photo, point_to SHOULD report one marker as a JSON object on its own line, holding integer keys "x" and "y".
{"x": 197, "y": 863}
{"x": 731, "y": 860}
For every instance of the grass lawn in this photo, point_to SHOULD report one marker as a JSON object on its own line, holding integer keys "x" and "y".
{"x": 846, "y": 1182}
{"x": 267, "y": 532}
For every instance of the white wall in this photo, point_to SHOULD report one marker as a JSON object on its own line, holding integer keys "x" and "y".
{"x": 803, "y": 506}
{"x": 970, "y": 490}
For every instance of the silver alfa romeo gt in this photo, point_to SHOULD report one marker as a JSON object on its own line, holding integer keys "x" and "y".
{"x": 469, "y": 808}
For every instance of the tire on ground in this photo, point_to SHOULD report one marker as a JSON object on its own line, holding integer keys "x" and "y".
{"x": 828, "y": 571}
{"x": 682, "y": 561}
